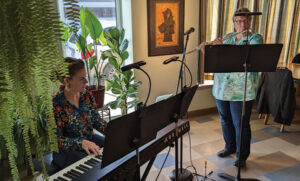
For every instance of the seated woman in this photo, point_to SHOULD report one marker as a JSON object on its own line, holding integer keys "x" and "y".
{"x": 76, "y": 117}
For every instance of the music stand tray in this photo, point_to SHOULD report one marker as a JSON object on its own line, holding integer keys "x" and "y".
{"x": 231, "y": 58}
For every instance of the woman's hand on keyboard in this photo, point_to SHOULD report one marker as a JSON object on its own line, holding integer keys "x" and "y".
{"x": 89, "y": 147}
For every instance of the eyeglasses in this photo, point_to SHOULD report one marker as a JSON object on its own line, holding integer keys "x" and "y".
{"x": 241, "y": 21}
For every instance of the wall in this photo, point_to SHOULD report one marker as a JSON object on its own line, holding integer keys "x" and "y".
{"x": 164, "y": 77}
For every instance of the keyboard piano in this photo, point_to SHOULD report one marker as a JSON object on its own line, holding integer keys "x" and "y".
{"x": 88, "y": 168}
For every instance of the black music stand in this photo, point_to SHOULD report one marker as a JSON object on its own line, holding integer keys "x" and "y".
{"x": 241, "y": 58}
{"x": 183, "y": 108}
{"x": 142, "y": 124}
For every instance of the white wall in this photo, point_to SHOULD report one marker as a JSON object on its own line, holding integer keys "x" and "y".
{"x": 164, "y": 77}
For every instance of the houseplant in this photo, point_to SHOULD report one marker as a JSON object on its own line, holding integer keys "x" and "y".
{"x": 90, "y": 28}
{"x": 29, "y": 41}
{"x": 122, "y": 84}
{"x": 42, "y": 132}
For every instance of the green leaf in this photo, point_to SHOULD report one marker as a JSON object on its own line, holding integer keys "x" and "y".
{"x": 115, "y": 90}
{"x": 131, "y": 89}
{"x": 124, "y": 46}
{"x": 115, "y": 33}
{"x": 82, "y": 43}
{"x": 93, "y": 24}
{"x": 102, "y": 39}
{"x": 136, "y": 84}
{"x": 113, "y": 62}
{"x": 122, "y": 35}
{"x": 66, "y": 30}
{"x": 106, "y": 54}
{"x": 119, "y": 102}
{"x": 113, "y": 104}
{"x": 127, "y": 75}
{"x": 133, "y": 94}
{"x": 90, "y": 47}
{"x": 108, "y": 85}
{"x": 124, "y": 55}
{"x": 110, "y": 44}
{"x": 92, "y": 61}
{"x": 118, "y": 58}
{"x": 78, "y": 46}
{"x": 84, "y": 31}
{"x": 107, "y": 35}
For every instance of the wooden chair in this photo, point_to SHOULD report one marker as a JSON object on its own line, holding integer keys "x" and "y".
{"x": 266, "y": 118}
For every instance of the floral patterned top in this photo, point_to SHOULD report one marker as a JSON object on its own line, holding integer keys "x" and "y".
{"x": 230, "y": 86}
{"x": 75, "y": 123}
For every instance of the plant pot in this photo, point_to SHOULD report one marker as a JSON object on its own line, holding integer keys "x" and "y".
{"x": 98, "y": 94}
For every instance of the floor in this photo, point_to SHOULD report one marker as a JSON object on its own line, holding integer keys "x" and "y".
{"x": 274, "y": 155}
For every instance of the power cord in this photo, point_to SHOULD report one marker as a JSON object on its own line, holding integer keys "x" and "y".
{"x": 191, "y": 160}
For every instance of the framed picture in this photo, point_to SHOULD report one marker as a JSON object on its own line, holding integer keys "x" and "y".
{"x": 165, "y": 27}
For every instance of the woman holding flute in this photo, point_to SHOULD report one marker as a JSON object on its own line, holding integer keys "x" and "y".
{"x": 228, "y": 92}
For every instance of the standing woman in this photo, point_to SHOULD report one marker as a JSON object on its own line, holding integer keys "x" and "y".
{"x": 76, "y": 117}
{"x": 228, "y": 90}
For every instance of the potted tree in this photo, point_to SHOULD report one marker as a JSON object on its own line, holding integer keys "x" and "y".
{"x": 122, "y": 84}
{"x": 90, "y": 29}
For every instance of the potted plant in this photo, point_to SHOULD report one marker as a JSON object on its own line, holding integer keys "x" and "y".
{"x": 122, "y": 84}
{"x": 90, "y": 28}
{"x": 29, "y": 56}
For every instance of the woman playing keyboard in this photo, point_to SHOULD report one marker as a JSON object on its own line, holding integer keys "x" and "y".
{"x": 76, "y": 117}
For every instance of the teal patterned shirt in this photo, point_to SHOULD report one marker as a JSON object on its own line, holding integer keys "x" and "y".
{"x": 230, "y": 86}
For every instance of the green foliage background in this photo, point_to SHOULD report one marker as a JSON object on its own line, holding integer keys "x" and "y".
{"x": 29, "y": 59}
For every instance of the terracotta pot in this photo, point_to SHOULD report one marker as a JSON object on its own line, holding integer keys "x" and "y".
{"x": 99, "y": 95}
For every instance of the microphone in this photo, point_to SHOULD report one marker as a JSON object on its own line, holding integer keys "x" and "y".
{"x": 172, "y": 59}
{"x": 248, "y": 14}
{"x": 191, "y": 30}
{"x": 136, "y": 65}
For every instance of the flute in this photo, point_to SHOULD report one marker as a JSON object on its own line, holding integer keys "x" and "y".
{"x": 209, "y": 43}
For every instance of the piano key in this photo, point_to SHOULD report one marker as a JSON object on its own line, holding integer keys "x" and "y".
{"x": 73, "y": 174}
{"x": 93, "y": 159}
{"x": 84, "y": 166}
{"x": 82, "y": 169}
{"x": 76, "y": 172}
{"x": 89, "y": 164}
{"x": 69, "y": 176}
{"x": 99, "y": 157}
{"x": 61, "y": 179}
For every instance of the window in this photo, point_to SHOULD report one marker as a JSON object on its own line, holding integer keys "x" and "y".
{"x": 105, "y": 10}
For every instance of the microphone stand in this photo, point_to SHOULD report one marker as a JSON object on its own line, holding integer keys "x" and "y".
{"x": 188, "y": 70}
{"x": 136, "y": 139}
{"x": 246, "y": 66}
{"x": 185, "y": 175}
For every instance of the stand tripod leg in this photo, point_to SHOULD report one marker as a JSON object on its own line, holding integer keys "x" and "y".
{"x": 148, "y": 169}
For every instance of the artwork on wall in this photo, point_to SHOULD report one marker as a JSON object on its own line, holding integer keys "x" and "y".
{"x": 165, "y": 27}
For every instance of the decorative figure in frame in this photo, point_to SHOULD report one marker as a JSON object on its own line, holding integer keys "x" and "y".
{"x": 167, "y": 27}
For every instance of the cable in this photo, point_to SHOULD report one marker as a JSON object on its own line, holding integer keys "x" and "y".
{"x": 191, "y": 160}
{"x": 163, "y": 163}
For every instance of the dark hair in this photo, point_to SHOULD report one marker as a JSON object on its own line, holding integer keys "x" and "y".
{"x": 74, "y": 65}
{"x": 241, "y": 10}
